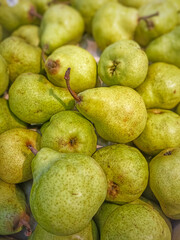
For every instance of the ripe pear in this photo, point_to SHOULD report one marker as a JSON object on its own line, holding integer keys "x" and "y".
{"x": 155, "y": 19}
{"x": 123, "y": 63}
{"x": 33, "y": 99}
{"x": 7, "y": 119}
{"x": 134, "y": 3}
{"x": 1, "y": 33}
{"x": 13, "y": 209}
{"x": 73, "y": 183}
{"x": 85, "y": 234}
{"x": 164, "y": 49}
{"x": 69, "y": 131}
{"x": 135, "y": 222}
{"x": 16, "y": 157}
{"x": 178, "y": 109}
{"x": 30, "y": 33}
{"x": 20, "y": 56}
{"x": 61, "y": 24}
{"x": 161, "y": 132}
{"x": 126, "y": 171}
{"x": 161, "y": 88}
{"x": 82, "y": 63}
{"x": 113, "y": 22}
{"x": 4, "y": 75}
{"x": 43, "y": 5}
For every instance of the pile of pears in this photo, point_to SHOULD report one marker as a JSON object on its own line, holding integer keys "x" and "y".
{"x": 89, "y": 119}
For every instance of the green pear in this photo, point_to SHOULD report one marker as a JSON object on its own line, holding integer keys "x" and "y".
{"x": 161, "y": 88}
{"x": 61, "y": 24}
{"x": 30, "y": 33}
{"x": 20, "y": 56}
{"x": 16, "y": 157}
{"x": 43, "y": 5}
{"x": 86, "y": 234}
{"x": 73, "y": 183}
{"x": 164, "y": 181}
{"x": 134, "y": 3}
{"x": 69, "y": 131}
{"x": 113, "y": 22}
{"x": 177, "y": 6}
{"x": 165, "y": 48}
{"x": 123, "y": 63}
{"x": 155, "y": 19}
{"x": 4, "y": 75}
{"x": 126, "y": 171}
{"x": 135, "y": 222}
{"x": 161, "y": 131}
{"x": 1, "y": 33}
{"x": 178, "y": 109}
{"x": 118, "y": 112}
{"x": 17, "y": 13}
{"x": 12, "y": 209}
{"x": 7, "y": 119}
{"x": 33, "y": 99}
{"x": 82, "y": 63}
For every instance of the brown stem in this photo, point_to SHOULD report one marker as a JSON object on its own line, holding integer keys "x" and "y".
{"x": 33, "y": 150}
{"x": 34, "y": 13}
{"x": 43, "y": 55}
{"x": 67, "y": 78}
{"x": 23, "y": 221}
{"x": 147, "y": 20}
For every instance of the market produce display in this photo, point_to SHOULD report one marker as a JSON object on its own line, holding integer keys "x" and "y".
{"x": 90, "y": 119}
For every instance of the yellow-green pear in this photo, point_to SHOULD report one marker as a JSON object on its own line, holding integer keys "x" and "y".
{"x": 61, "y": 24}
{"x": 178, "y": 109}
{"x": 20, "y": 56}
{"x": 134, "y": 3}
{"x": 43, "y": 5}
{"x": 16, "y": 157}
{"x": 4, "y": 75}
{"x": 33, "y": 99}
{"x": 161, "y": 88}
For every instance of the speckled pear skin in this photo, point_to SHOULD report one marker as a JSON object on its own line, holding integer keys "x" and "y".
{"x": 164, "y": 181}
{"x": 7, "y": 119}
{"x": 161, "y": 88}
{"x": 16, "y": 157}
{"x": 30, "y": 33}
{"x": 123, "y": 63}
{"x": 39, "y": 234}
{"x": 120, "y": 22}
{"x": 118, "y": 112}
{"x": 134, "y": 3}
{"x": 161, "y": 132}
{"x": 135, "y": 222}
{"x": 18, "y": 13}
{"x": 82, "y": 63}
{"x": 12, "y": 208}
{"x": 4, "y": 75}
{"x": 75, "y": 185}
{"x": 163, "y": 49}
{"x": 20, "y": 56}
{"x": 161, "y": 24}
{"x": 126, "y": 171}
{"x": 61, "y": 24}
{"x": 69, "y": 131}
{"x": 30, "y": 88}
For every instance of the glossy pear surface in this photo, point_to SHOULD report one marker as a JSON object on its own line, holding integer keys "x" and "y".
{"x": 4, "y": 75}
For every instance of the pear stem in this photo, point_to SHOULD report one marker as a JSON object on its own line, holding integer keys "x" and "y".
{"x": 73, "y": 93}
{"x": 34, "y": 13}
{"x": 33, "y": 150}
{"x": 149, "y": 23}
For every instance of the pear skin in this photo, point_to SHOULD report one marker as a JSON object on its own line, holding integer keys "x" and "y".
{"x": 4, "y": 75}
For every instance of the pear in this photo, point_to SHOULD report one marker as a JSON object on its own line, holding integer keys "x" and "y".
{"x": 69, "y": 131}
{"x": 61, "y": 24}
{"x": 82, "y": 63}
{"x": 16, "y": 157}
{"x": 30, "y": 33}
{"x": 118, "y": 112}
{"x": 165, "y": 48}
{"x": 4, "y": 75}
{"x": 178, "y": 109}
{"x": 126, "y": 171}
{"x": 135, "y": 222}
{"x": 73, "y": 183}
{"x": 155, "y": 19}
{"x": 1, "y": 33}
{"x": 134, "y": 3}
{"x": 20, "y": 56}
{"x": 161, "y": 132}
{"x": 165, "y": 182}
{"x": 13, "y": 209}
{"x": 14, "y": 14}
{"x": 161, "y": 88}
{"x": 123, "y": 63}
{"x": 113, "y": 22}
{"x": 86, "y": 234}
{"x": 43, "y": 5}
{"x": 7, "y": 119}
{"x": 33, "y": 99}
